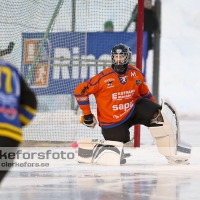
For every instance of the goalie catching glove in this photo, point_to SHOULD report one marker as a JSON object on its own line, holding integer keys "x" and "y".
{"x": 88, "y": 120}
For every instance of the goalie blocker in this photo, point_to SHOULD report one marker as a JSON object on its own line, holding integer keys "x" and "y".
{"x": 167, "y": 136}
{"x": 101, "y": 152}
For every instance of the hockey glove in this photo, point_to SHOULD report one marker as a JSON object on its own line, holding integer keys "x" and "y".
{"x": 88, "y": 120}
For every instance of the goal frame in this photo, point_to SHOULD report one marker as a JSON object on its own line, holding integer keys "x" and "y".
{"x": 139, "y": 52}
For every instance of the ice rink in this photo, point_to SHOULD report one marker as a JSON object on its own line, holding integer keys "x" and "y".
{"x": 145, "y": 176}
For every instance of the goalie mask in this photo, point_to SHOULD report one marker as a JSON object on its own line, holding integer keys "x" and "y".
{"x": 120, "y": 55}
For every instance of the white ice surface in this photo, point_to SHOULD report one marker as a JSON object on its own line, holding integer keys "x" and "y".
{"x": 146, "y": 175}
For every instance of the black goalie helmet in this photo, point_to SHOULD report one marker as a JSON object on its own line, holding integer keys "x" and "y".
{"x": 121, "y": 56}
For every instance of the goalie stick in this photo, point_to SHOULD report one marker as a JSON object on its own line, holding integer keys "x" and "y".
{"x": 8, "y": 50}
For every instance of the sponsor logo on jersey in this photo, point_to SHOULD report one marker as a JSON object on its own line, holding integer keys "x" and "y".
{"x": 115, "y": 117}
{"x": 82, "y": 98}
{"x": 123, "y": 95}
{"x": 123, "y": 79}
{"x": 133, "y": 74}
{"x": 7, "y": 106}
{"x": 138, "y": 82}
{"x": 109, "y": 82}
{"x": 8, "y": 111}
{"x": 124, "y": 107}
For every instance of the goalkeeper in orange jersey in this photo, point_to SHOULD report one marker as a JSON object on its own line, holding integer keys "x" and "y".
{"x": 17, "y": 108}
{"x": 123, "y": 99}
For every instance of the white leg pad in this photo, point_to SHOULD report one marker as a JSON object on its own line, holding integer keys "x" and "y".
{"x": 85, "y": 150}
{"x": 168, "y": 136}
{"x": 100, "y": 152}
{"x": 108, "y": 153}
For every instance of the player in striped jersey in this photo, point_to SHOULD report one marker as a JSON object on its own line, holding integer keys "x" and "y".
{"x": 17, "y": 108}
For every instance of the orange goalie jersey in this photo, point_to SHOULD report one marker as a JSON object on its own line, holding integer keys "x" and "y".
{"x": 115, "y": 95}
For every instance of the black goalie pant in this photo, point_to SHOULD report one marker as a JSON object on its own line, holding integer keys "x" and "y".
{"x": 142, "y": 114}
{"x": 11, "y": 145}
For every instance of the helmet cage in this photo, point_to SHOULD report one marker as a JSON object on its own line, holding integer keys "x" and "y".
{"x": 119, "y": 61}
{"x": 121, "y": 51}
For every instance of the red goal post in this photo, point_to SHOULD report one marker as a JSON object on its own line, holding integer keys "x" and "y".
{"x": 140, "y": 24}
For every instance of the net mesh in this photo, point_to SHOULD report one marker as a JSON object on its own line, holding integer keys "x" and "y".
{"x": 59, "y": 44}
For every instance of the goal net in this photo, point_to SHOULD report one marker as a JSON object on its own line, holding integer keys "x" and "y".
{"x": 59, "y": 44}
